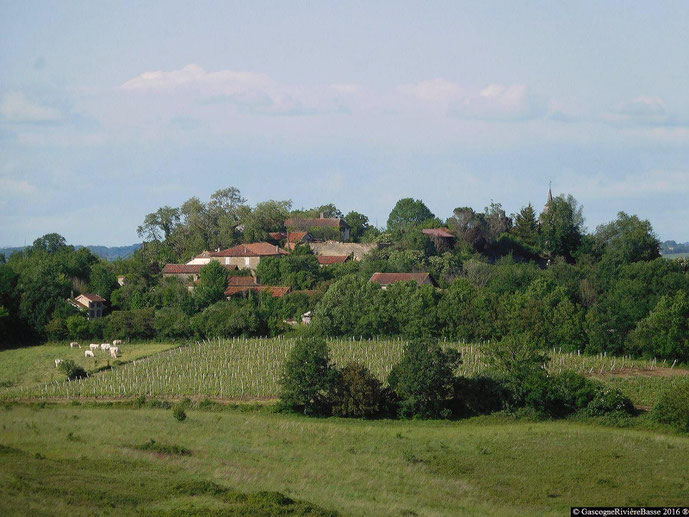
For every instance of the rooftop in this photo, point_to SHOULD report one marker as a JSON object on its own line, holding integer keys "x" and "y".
{"x": 392, "y": 278}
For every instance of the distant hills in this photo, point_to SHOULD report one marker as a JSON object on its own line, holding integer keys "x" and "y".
{"x": 671, "y": 247}
{"x": 106, "y": 252}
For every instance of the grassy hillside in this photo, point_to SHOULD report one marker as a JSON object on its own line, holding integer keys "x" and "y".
{"x": 79, "y": 460}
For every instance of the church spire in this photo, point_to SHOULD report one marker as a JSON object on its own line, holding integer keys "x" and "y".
{"x": 550, "y": 197}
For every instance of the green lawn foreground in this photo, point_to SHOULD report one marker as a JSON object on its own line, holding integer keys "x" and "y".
{"x": 36, "y": 364}
{"x": 77, "y": 460}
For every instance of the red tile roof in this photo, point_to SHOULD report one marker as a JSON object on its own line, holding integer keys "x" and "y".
{"x": 391, "y": 278}
{"x": 252, "y": 249}
{"x": 438, "y": 232}
{"x": 310, "y": 222}
{"x": 297, "y": 236}
{"x": 92, "y": 297}
{"x": 278, "y": 236}
{"x": 277, "y": 292}
{"x": 324, "y": 260}
{"x": 189, "y": 269}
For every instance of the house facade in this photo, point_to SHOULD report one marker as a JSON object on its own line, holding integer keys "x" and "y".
{"x": 92, "y": 304}
{"x": 187, "y": 272}
{"x": 243, "y": 256}
{"x": 318, "y": 225}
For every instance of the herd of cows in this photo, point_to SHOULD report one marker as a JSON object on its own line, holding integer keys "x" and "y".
{"x": 113, "y": 349}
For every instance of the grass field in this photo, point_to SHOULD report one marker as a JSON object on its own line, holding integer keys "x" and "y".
{"x": 80, "y": 460}
{"x": 23, "y": 367}
{"x": 251, "y": 368}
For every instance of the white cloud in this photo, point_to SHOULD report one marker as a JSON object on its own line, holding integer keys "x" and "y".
{"x": 248, "y": 91}
{"x": 641, "y": 110}
{"x": 15, "y": 107}
{"x": 433, "y": 90}
{"x": 11, "y": 188}
{"x": 498, "y": 102}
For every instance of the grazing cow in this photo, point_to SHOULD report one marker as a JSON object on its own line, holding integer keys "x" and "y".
{"x": 57, "y": 362}
{"x": 93, "y": 346}
{"x": 105, "y": 346}
{"x": 88, "y": 353}
{"x": 74, "y": 344}
{"x": 117, "y": 342}
{"x": 114, "y": 351}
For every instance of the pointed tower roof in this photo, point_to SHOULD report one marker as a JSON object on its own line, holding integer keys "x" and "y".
{"x": 550, "y": 198}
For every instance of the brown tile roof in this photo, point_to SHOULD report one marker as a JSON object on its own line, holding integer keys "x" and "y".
{"x": 391, "y": 278}
{"x": 189, "y": 269}
{"x": 278, "y": 236}
{"x": 438, "y": 232}
{"x": 252, "y": 249}
{"x": 241, "y": 280}
{"x": 92, "y": 297}
{"x": 324, "y": 260}
{"x": 310, "y": 222}
{"x": 276, "y": 291}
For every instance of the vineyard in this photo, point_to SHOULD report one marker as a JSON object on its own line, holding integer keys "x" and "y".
{"x": 251, "y": 368}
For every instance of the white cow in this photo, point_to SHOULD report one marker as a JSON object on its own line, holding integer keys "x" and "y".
{"x": 74, "y": 344}
{"x": 117, "y": 342}
{"x": 105, "y": 346}
{"x": 114, "y": 351}
{"x": 88, "y": 353}
{"x": 93, "y": 346}
{"x": 57, "y": 362}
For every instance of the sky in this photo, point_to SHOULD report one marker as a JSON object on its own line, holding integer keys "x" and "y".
{"x": 109, "y": 110}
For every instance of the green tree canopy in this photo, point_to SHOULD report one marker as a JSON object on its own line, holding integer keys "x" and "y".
{"x": 408, "y": 212}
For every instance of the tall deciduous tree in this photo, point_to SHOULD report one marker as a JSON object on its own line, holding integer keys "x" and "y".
{"x": 408, "y": 212}
{"x": 212, "y": 284}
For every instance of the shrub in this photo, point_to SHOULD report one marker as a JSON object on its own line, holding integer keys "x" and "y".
{"x": 673, "y": 407}
{"x": 152, "y": 445}
{"x": 424, "y": 379}
{"x": 608, "y": 400}
{"x": 72, "y": 370}
{"x": 357, "y": 393}
{"x": 178, "y": 412}
{"x": 477, "y": 396}
{"x": 308, "y": 379}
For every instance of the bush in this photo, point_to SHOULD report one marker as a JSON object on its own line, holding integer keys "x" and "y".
{"x": 608, "y": 400}
{"x": 178, "y": 412}
{"x": 424, "y": 379}
{"x": 357, "y": 393}
{"x": 72, "y": 370}
{"x": 477, "y": 396}
{"x": 673, "y": 407}
{"x": 308, "y": 379}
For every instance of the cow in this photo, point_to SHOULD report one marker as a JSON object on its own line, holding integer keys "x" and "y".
{"x": 117, "y": 342}
{"x": 93, "y": 346}
{"x": 105, "y": 346}
{"x": 88, "y": 353}
{"x": 114, "y": 351}
{"x": 74, "y": 344}
{"x": 57, "y": 362}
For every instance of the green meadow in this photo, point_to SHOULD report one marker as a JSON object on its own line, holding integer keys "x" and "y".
{"x": 80, "y": 460}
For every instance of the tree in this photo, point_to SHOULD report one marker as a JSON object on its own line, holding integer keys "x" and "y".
{"x": 469, "y": 227}
{"x": 561, "y": 227}
{"x": 627, "y": 239}
{"x": 526, "y": 226}
{"x": 268, "y": 216}
{"x": 308, "y": 378}
{"x": 357, "y": 393}
{"x": 408, "y": 212}
{"x": 50, "y": 243}
{"x": 497, "y": 221}
{"x": 103, "y": 281}
{"x": 358, "y": 224}
{"x": 164, "y": 220}
{"x": 212, "y": 284}
{"x": 665, "y": 331}
{"x": 424, "y": 379}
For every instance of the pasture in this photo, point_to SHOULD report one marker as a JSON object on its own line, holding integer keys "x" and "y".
{"x": 78, "y": 460}
{"x": 251, "y": 368}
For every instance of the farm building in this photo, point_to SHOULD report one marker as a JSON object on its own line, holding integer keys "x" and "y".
{"x": 243, "y": 285}
{"x": 324, "y": 260}
{"x": 242, "y": 256}
{"x": 188, "y": 272}
{"x": 386, "y": 279}
{"x": 357, "y": 250}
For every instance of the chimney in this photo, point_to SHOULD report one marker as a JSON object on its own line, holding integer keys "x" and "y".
{"x": 277, "y": 249}
{"x": 322, "y": 215}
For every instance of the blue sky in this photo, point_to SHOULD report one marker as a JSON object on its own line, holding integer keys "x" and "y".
{"x": 109, "y": 110}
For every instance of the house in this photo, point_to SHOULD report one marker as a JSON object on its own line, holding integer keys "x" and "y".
{"x": 294, "y": 238}
{"x": 243, "y": 285}
{"x": 92, "y": 303}
{"x": 188, "y": 272}
{"x": 386, "y": 279}
{"x": 318, "y": 226}
{"x": 324, "y": 260}
{"x": 242, "y": 256}
{"x": 357, "y": 250}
